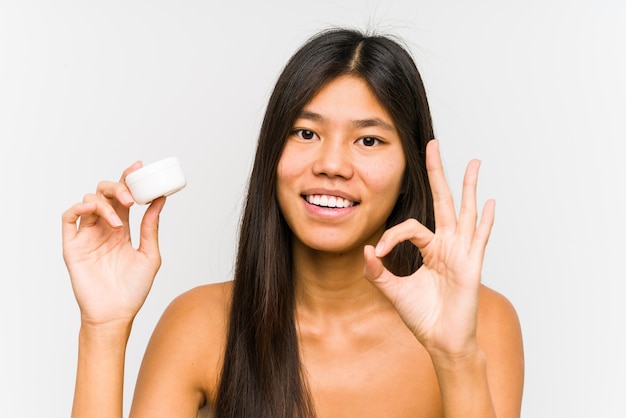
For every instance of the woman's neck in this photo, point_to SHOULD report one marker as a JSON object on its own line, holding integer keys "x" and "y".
{"x": 329, "y": 286}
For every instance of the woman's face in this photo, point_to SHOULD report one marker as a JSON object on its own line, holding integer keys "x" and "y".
{"x": 341, "y": 169}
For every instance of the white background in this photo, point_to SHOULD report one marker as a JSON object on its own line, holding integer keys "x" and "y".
{"x": 535, "y": 89}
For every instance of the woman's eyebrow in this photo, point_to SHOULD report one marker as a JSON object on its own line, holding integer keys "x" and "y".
{"x": 359, "y": 123}
{"x": 308, "y": 115}
{"x": 373, "y": 122}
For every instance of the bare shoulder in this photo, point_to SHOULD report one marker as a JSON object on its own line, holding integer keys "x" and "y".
{"x": 491, "y": 299}
{"x": 198, "y": 314}
{"x": 495, "y": 310}
{"x": 199, "y": 318}
{"x": 182, "y": 362}
{"x": 499, "y": 330}
{"x": 209, "y": 302}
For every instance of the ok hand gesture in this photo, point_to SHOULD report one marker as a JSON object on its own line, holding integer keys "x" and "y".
{"x": 439, "y": 302}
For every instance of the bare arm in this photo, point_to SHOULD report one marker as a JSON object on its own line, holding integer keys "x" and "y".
{"x": 111, "y": 280}
{"x": 100, "y": 372}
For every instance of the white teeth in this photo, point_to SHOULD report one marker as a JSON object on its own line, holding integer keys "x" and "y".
{"x": 329, "y": 201}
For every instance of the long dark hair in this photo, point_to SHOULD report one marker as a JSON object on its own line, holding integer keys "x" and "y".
{"x": 261, "y": 375}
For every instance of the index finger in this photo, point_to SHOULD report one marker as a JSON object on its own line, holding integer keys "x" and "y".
{"x": 411, "y": 230}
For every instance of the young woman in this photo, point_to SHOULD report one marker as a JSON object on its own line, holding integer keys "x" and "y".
{"x": 357, "y": 288}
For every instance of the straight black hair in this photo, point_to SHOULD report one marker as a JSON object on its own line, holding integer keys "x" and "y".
{"x": 262, "y": 375}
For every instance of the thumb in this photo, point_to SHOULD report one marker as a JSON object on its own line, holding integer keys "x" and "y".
{"x": 149, "y": 232}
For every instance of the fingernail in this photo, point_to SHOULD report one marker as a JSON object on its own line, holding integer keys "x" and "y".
{"x": 115, "y": 220}
{"x": 380, "y": 247}
{"x": 127, "y": 198}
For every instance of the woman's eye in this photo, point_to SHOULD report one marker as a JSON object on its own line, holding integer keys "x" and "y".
{"x": 305, "y": 134}
{"x": 369, "y": 141}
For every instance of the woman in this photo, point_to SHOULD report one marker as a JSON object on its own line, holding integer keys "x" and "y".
{"x": 356, "y": 291}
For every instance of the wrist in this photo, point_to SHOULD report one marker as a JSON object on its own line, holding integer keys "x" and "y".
{"x": 463, "y": 384}
{"x": 113, "y": 331}
{"x": 471, "y": 358}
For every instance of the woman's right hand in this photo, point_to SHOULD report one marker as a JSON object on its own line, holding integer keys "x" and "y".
{"x": 110, "y": 278}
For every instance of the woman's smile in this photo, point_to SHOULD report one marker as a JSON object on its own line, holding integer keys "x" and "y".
{"x": 329, "y": 206}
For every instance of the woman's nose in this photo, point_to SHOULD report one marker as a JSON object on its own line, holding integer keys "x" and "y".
{"x": 333, "y": 159}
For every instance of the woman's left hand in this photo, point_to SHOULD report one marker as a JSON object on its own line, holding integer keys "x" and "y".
{"x": 439, "y": 302}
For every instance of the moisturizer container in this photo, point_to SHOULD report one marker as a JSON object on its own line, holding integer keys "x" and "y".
{"x": 161, "y": 178}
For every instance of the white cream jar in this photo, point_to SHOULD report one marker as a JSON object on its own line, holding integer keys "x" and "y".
{"x": 161, "y": 178}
